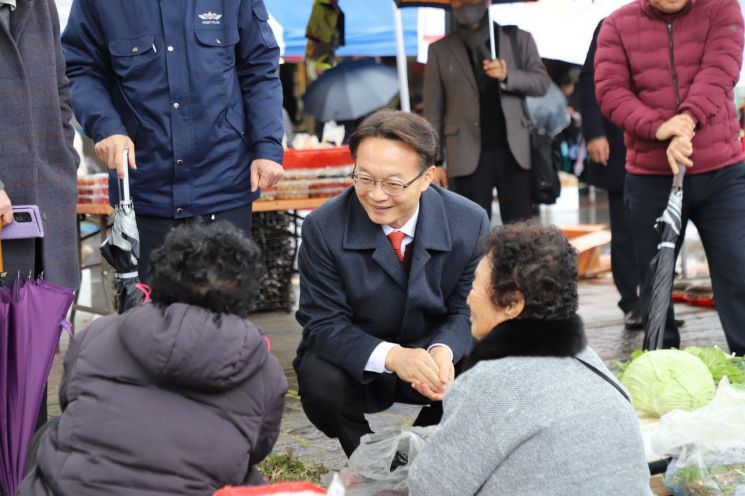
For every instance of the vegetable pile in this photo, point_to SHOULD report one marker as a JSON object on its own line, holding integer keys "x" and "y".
{"x": 660, "y": 381}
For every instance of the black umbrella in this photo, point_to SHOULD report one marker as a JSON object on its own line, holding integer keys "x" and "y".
{"x": 663, "y": 266}
{"x": 122, "y": 247}
{"x": 351, "y": 90}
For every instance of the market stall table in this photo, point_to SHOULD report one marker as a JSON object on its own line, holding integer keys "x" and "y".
{"x": 100, "y": 213}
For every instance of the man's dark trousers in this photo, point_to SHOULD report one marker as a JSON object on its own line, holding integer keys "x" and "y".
{"x": 336, "y": 403}
{"x": 623, "y": 258}
{"x": 715, "y": 202}
{"x": 153, "y": 230}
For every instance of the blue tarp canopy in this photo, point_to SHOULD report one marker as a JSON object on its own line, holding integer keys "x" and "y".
{"x": 369, "y": 26}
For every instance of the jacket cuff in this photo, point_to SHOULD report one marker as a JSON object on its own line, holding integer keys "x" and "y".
{"x": 269, "y": 151}
{"x": 109, "y": 127}
{"x": 697, "y": 116}
{"x": 651, "y": 129}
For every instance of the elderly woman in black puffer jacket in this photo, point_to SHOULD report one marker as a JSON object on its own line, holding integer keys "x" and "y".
{"x": 177, "y": 397}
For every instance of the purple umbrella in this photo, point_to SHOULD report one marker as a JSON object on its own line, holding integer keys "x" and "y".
{"x": 32, "y": 315}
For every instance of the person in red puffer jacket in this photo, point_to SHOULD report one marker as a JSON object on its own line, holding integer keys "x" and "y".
{"x": 665, "y": 72}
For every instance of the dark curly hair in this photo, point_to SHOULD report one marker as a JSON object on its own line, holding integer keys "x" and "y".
{"x": 212, "y": 266}
{"x": 396, "y": 125}
{"x": 539, "y": 262}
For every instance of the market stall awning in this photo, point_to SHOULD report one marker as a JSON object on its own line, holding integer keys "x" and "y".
{"x": 369, "y": 24}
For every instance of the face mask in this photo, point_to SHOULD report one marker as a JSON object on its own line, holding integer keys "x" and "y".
{"x": 470, "y": 13}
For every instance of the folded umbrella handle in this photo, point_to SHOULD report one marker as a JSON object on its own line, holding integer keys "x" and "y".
{"x": 124, "y": 198}
{"x": 678, "y": 179}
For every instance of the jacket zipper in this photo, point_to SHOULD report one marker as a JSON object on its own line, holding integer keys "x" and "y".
{"x": 672, "y": 64}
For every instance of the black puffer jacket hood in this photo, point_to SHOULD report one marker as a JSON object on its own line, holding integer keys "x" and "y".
{"x": 187, "y": 346}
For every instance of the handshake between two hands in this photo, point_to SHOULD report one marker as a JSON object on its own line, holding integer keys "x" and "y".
{"x": 429, "y": 373}
{"x": 680, "y": 130}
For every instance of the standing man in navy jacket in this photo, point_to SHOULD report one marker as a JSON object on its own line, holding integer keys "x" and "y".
{"x": 191, "y": 89}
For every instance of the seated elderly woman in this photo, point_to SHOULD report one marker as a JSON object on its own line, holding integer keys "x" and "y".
{"x": 536, "y": 412}
{"x": 180, "y": 396}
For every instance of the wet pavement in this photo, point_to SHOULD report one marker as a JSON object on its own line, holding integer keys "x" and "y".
{"x": 598, "y": 298}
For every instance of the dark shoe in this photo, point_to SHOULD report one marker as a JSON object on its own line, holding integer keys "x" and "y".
{"x": 632, "y": 320}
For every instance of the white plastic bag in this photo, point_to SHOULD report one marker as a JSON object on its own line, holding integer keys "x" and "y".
{"x": 380, "y": 465}
{"x": 707, "y": 472}
{"x": 718, "y": 425}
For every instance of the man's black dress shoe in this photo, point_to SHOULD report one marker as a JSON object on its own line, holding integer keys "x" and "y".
{"x": 632, "y": 320}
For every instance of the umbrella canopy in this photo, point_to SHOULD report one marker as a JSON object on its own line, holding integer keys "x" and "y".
{"x": 122, "y": 247}
{"x": 32, "y": 314}
{"x": 663, "y": 266}
{"x": 351, "y": 90}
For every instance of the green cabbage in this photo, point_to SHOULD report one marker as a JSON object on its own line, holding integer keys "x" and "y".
{"x": 720, "y": 364}
{"x": 660, "y": 381}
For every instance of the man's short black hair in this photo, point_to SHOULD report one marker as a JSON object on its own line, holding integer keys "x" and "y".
{"x": 208, "y": 265}
{"x": 396, "y": 125}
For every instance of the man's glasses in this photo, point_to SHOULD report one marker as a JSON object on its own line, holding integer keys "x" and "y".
{"x": 392, "y": 187}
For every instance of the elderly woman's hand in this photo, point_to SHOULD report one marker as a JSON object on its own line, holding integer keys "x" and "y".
{"x": 414, "y": 365}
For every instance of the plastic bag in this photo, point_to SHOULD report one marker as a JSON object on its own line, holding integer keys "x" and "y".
{"x": 380, "y": 465}
{"x": 718, "y": 425}
{"x": 706, "y": 472}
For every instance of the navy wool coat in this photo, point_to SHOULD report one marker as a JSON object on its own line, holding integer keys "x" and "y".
{"x": 37, "y": 161}
{"x": 354, "y": 293}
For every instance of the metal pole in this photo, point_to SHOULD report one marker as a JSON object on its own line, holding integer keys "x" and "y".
{"x": 403, "y": 76}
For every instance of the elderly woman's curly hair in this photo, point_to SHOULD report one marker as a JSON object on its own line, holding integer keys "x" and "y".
{"x": 539, "y": 262}
{"x": 208, "y": 265}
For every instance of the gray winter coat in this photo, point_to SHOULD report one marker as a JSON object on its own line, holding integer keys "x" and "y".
{"x": 161, "y": 403}
{"x": 37, "y": 162}
{"x": 533, "y": 426}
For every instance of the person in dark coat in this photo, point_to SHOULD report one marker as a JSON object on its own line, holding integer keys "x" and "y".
{"x": 192, "y": 90}
{"x": 385, "y": 269}
{"x": 607, "y": 170}
{"x": 178, "y": 397}
{"x": 37, "y": 161}
{"x": 476, "y": 106}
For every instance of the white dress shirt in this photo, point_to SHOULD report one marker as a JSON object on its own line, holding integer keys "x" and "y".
{"x": 376, "y": 362}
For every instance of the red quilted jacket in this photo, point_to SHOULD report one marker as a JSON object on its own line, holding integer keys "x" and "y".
{"x": 644, "y": 57}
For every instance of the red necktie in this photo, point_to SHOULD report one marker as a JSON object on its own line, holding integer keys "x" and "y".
{"x": 396, "y": 237}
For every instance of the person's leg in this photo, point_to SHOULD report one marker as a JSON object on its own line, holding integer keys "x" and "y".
{"x": 719, "y": 215}
{"x": 623, "y": 260}
{"x": 479, "y": 186}
{"x": 513, "y": 187}
{"x": 332, "y": 400}
{"x": 240, "y": 217}
{"x": 153, "y": 231}
{"x": 646, "y": 198}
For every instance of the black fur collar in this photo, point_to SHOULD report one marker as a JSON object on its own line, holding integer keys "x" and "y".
{"x": 530, "y": 337}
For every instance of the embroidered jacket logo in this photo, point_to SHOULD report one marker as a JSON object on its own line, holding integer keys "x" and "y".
{"x": 210, "y": 18}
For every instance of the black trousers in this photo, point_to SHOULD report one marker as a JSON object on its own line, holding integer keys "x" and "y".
{"x": 715, "y": 202}
{"x": 622, "y": 256}
{"x": 336, "y": 403}
{"x": 498, "y": 168}
{"x": 153, "y": 231}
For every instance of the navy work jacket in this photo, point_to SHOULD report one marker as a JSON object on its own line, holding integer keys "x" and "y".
{"x": 193, "y": 83}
